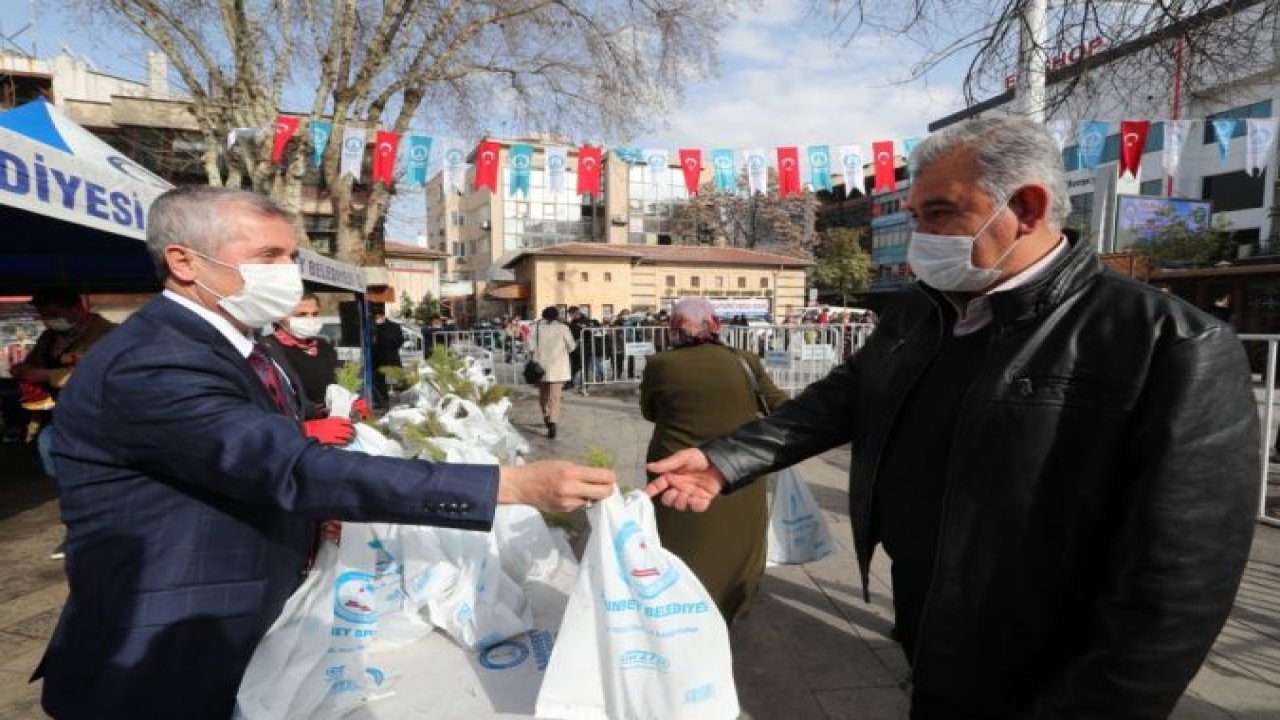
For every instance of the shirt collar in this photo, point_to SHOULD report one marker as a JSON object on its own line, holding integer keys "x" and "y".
{"x": 240, "y": 341}
{"x": 976, "y": 313}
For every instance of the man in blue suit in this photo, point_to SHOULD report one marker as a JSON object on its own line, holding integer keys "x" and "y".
{"x": 190, "y": 493}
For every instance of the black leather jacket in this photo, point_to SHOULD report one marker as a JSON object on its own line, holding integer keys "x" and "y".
{"x": 1100, "y": 496}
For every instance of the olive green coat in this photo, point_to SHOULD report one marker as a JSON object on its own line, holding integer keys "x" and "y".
{"x": 693, "y": 394}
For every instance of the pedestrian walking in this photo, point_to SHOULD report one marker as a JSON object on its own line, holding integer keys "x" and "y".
{"x": 551, "y": 346}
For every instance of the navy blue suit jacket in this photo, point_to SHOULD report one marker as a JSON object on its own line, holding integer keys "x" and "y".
{"x": 191, "y": 508}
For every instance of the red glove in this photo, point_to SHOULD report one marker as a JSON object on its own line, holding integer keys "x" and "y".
{"x": 329, "y": 431}
{"x": 362, "y": 409}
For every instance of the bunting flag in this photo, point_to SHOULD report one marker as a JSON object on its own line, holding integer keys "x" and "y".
{"x": 883, "y": 152}
{"x": 1223, "y": 130}
{"x": 588, "y": 170}
{"x": 557, "y": 157}
{"x": 819, "y": 167}
{"x": 757, "y": 171}
{"x": 285, "y": 128}
{"x": 908, "y": 149}
{"x": 487, "y": 153}
{"x": 691, "y": 165}
{"x": 1133, "y": 140}
{"x": 851, "y": 165}
{"x": 1261, "y": 139}
{"x": 455, "y": 165}
{"x": 520, "y": 167}
{"x": 726, "y": 170}
{"x": 631, "y": 155}
{"x": 320, "y": 132}
{"x": 384, "y": 156}
{"x": 352, "y": 153}
{"x": 1060, "y": 131}
{"x": 788, "y": 171}
{"x": 1175, "y": 139}
{"x": 657, "y": 159}
{"x": 1093, "y": 138}
{"x": 417, "y": 158}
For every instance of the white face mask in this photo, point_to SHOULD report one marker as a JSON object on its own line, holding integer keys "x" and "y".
{"x": 305, "y": 327}
{"x": 271, "y": 291}
{"x": 59, "y": 324}
{"x": 945, "y": 262}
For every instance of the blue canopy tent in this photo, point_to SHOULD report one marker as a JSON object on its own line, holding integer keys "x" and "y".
{"x": 72, "y": 208}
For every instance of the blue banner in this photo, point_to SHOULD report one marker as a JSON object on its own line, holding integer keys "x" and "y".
{"x": 520, "y": 166}
{"x": 629, "y": 154}
{"x": 819, "y": 166}
{"x": 417, "y": 156}
{"x": 320, "y": 132}
{"x": 909, "y": 146}
{"x": 1093, "y": 138}
{"x": 1223, "y": 130}
{"x": 726, "y": 171}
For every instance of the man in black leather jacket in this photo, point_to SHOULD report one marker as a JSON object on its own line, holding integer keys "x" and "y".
{"x": 1060, "y": 461}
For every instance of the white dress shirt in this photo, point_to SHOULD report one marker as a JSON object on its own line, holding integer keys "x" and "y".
{"x": 976, "y": 314}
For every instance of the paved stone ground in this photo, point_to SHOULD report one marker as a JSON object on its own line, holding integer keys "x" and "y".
{"x": 810, "y": 649}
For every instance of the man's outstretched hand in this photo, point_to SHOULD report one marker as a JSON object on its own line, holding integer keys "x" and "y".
{"x": 553, "y": 485}
{"x": 686, "y": 481}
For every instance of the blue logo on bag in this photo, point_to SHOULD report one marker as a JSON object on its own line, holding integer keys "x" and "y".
{"x": 376, "y": 675}
{"x": 643, "y": 660}
{"x": 504, "y": 655}
{"x": 647, "y": 571}
{"x": 353, "y": 601}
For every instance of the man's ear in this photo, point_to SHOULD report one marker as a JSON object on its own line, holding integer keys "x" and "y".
{"x": 1031, "y": 204}
{"x": 181, "y": 262}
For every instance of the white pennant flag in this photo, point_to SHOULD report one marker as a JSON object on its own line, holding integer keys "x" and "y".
{"x": 656, "y": 160}
{"x": 454, "y": 163}
{"x": 1176, "y": 133}
{"x": 1060, "y": 130}
{"x": 851, "y": 163}
{"x": 556, "y": 159}
{"x": 757, "y": 170}
{"x": 352, "y": 158}
{"x": 1261, "y": 142}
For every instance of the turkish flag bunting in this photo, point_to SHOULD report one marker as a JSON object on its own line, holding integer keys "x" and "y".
{"x": 1133, "y": 138}
{"x": 384, "y": 156}
{"x": 691, "y": 164}
{"x": 883, "y": 151}
{"x": 487, "y": 166}
{"x": 788, "y": 171}
{"x": 285, "y": 128}
{"x": 588, "y": 170}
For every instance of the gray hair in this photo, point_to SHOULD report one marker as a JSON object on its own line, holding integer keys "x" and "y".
{"x": 198, "y": 217}
{"x": 693, "y": 320}
{"x": 1009, "y": 152}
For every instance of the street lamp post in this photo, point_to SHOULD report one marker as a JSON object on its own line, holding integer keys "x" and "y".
{"x": 1032, "y": 58}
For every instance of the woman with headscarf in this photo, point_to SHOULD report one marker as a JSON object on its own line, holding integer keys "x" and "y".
{"x": 699, "y": 390}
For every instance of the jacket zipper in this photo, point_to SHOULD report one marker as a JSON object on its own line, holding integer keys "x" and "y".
{"x": 946, "y": 502}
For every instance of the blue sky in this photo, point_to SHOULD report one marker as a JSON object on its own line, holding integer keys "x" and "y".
{"x": 784, "y": 80}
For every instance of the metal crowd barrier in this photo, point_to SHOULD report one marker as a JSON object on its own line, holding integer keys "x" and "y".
{"x": 797, "y": 355}
{"x": 1265, "y": 390}
{"x": 616, "y": 355}
{"x": 492, "y": 349}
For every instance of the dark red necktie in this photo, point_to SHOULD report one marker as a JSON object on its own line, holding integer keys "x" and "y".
{"x": 270, "y": 378}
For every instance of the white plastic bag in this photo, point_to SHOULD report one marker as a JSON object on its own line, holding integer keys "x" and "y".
{"x": 798, "y": 532}
{"x": 641, "y": 637}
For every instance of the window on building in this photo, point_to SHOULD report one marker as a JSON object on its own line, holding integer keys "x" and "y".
{"x": 1152, "y": 187}
{"x": 457, "y": 218}
{"x": 583, "y": 276}
{"x": 608, "y": 277}
{"x": 1260, "y": 109}
{"x": 719, "y": 282}
{"x": 671, "y": 281}
{"x": 1234, "y": 191}
{"x": 695, "y": 281}
{"x": 560, "y": 276}
{"x": 606, "y": 310}
{"x": 742, "y": 283}
{"x": 764, "y": 282}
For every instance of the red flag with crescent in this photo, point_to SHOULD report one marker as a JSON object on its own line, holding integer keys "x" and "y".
{"x": 788, "y": 171}
{"x": 885, "y": 180}
{"x": 384, "y": 156}
{"x": 487, "y": 166}
{"x": 588, "y": 170}
{"x": 1133, "y": 138}
{"x": 691, "y": 164}
{"x": 285, "y": 128}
